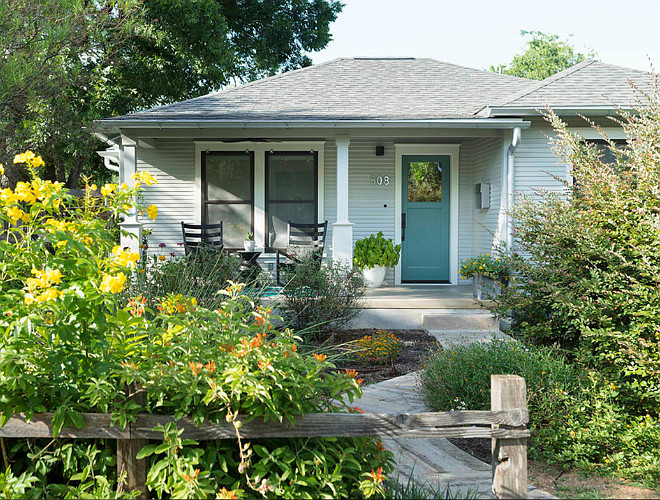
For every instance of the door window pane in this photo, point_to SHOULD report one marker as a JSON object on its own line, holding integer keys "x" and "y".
{"x": 424, "y": 181}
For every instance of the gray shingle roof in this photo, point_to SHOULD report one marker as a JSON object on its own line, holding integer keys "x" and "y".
{"x": 351, "y": 89}
{"x": 587, "y": 84}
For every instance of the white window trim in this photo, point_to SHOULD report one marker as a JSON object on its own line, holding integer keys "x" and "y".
{"x": 452, "y": 150}
{"x": 259, "y": 149}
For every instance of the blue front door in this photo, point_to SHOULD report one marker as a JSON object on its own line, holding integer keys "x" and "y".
{"x": 425, "y": 219}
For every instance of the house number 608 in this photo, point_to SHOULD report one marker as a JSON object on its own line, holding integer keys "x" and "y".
{"x": 380, "y": 180}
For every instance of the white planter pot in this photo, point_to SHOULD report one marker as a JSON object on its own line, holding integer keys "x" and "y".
{"x": 374, "y": 276}
{"x": 248, "y": 245}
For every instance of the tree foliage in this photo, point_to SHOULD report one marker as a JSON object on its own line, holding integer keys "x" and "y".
{"x": 546, "y": 55}
{"x": 65, "y": 63}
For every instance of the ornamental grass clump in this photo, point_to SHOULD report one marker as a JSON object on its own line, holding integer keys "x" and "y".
{"x": 72, "y": 342}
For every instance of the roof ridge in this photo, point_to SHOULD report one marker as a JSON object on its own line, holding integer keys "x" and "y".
{"x": 548, "y": 81}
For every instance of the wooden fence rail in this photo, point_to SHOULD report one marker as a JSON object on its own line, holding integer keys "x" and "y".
{"x": 505, "y": 424}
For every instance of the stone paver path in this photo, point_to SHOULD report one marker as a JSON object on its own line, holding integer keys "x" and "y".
{"x": 434, "y": 462}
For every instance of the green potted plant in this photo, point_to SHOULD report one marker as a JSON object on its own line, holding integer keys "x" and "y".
{"x": 248, "y": 244}
{"x": 374, "y": 255}
{"x": 489, "y": 273}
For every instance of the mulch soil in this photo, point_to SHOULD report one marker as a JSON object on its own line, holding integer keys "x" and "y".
{"x": 416, "y": 346}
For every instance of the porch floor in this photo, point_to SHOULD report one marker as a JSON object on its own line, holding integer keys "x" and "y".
{"x": 421, "y": 297}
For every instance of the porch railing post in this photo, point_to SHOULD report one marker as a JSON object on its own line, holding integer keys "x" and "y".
{"x": 508, "y": 392}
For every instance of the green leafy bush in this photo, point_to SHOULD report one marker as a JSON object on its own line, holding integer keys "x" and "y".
{"x": 588, "y": 272}
{"x": 576, "y": 417}
{"x": 70, "y": 343}
{"x": 484, "y": 265}
{"x": 375, "y": 251}
{"x": 321, "y": 298}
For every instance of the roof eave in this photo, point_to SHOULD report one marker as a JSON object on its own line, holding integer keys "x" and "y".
{"x": 467, "y": 123}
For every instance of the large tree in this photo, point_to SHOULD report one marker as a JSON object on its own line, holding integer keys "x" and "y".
{"x": 545, "y": 55}
{"x": 65, "y": 63}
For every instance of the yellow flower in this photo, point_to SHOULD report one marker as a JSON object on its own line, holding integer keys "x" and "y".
{"x": 23, "y": 192}
{"x": 50, "y": 294}
{"x": 113, "y": 284}
{"x": 108, "y": 189}
{"x": 15, "y": 214}
{"x": 123, "y": 186}
{"x": 152, "y": 211}
{"x": 144, "y": 177}
{"x": 92, "y": 187}
{"x": 54, "y": 224}
{"x": 125, "y": 258}
{"x": 2, "y": 169}
{"x": 161, "y": 257}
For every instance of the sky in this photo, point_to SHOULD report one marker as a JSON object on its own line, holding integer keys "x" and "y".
{"x": 484, "y": 32}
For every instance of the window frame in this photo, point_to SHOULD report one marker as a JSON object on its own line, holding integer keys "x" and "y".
{"x": 268, "y": 201}
{"x": 204, "y": 187}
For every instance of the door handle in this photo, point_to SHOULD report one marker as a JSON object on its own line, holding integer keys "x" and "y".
{"x": 403, "y": 227}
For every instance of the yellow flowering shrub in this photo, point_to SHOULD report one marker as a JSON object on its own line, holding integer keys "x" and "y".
{"x": 381, "y": 347}
{"x": 72, "y": 341}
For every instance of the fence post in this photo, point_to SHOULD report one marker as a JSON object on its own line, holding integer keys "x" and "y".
{"x": 508, "y": 392}
{"x": 127, "y": 450}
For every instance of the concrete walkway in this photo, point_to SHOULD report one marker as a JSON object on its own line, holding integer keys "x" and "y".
{"x": 434, "y": 462}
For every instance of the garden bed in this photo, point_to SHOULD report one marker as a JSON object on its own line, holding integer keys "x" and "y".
{"x": 415, "y": 347}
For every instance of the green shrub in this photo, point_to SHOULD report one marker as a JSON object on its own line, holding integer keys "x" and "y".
{"x": 588, "y": 273}
{"x": 320, "y": 299}
{"x": 71, "y": 343}
{"x": 576, "y": 417}
{"x": 375, "y": 251}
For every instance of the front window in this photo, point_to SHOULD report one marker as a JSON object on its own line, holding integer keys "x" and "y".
{"x": 228, "y": 194}
{"x": 291, "y": 193}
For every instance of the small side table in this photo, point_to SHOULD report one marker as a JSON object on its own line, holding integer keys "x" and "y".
{"x": 249, "y": 259}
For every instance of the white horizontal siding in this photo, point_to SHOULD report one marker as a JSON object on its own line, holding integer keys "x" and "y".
{"x": 173, "y": 163}
{"x": 487, "y": 168}
{"x": 535, "y": 163}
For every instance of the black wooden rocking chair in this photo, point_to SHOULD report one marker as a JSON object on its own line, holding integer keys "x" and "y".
{"x": 304, "y": 241}
{"x": 202, "y": 237}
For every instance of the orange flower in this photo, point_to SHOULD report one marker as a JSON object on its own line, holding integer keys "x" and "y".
{"x": 360, "y": 380}
{"x": 379, "y": 445}
{"x": 193, "y": 478}
{"x": 377, "y": 476}
{"x": 263, "y": 365}
{"x": 210, "y": 366}
{"x": 258, "y": 342}
{"x": 351, "y": 373}
{"x": 356, "y": 409}
{"x": 320, "y": 357}
{"x": 223, "y": 493}
{"x": 195, "y": 367}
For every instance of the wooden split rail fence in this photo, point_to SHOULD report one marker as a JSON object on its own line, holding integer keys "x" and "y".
{"x": 505, "y": 424}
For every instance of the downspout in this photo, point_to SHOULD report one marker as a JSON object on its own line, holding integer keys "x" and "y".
{"x": 510, "y": 183}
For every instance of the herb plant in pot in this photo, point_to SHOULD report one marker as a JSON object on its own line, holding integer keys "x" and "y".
{"x": 374, "y": 255}
{"x": 248, "y": 244}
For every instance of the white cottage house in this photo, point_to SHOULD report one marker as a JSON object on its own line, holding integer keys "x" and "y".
{"x": 427, "y": 152}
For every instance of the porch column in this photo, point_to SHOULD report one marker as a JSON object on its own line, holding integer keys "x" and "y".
{"x": 342, "y": 229}
{"x": 128, "y": 167}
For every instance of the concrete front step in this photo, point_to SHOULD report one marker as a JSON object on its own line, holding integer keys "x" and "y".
{"x": 459, "y": 320}
{"x": 427, "y": 319}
